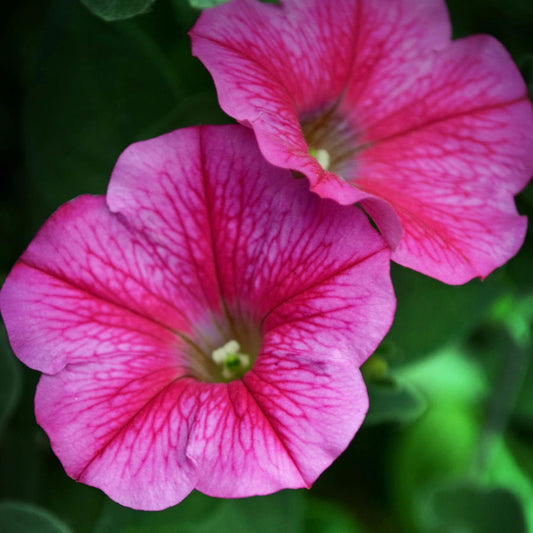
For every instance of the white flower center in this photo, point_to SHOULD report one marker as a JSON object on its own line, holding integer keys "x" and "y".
{"x": 230, "y": 358}
{"x": 322, "y": 156}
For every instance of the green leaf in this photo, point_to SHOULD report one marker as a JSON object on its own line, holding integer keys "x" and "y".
{"x": 9, "y": 379}
{"x": 327, "y": 517}
{"x": 467, "y": 508}
{"x": 513, "y": 471}
{"x": 23, "y": 455}
{"x": 87, "y": 103}
{"x": 393, "y": 400}
{"x": 439, "y": 447}
{"x": 281, "y": 512}
{"x": 203, "y": 4}
{"x": 198, "y": 513}
{"x": 193, "y": 510}
{"x": 18, "y": 517}
{"x": 447, "y": 377}
{"x": 111, "y": 10}
{"x": 504, "y": 347}
{"x": 431, "y": 314}
{"x": 79, "y": 505}
{"x": 523, "y": 411}
{"x": 100, "y": 87}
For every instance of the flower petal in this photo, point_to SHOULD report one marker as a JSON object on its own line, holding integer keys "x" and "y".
{"x": 121, "y": 423}
{"x": 272, "y": 64}
{"x": 122, "y": 296}
{"x": 272, "y": 430}
{"x": 270, "y": 238}
{"x": 454, "y": 145}
{"x": 438, "y": 136}
{"x": 127, "y": 425}
{"x": 84, "y": 286}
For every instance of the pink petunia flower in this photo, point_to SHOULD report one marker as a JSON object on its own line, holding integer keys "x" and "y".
{"x": 201, "y": 326}
{"x": 372, "y": 101}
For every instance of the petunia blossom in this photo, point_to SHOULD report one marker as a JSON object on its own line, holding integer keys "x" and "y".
{"x": 373, "y": 102}
{"x": 202, "y": 325}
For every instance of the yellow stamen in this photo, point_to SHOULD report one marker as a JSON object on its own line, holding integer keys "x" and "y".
{"x": 322, "y": 156}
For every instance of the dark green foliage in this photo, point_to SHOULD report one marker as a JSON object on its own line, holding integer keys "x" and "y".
{"x": 18, "y": 517}
{"x": 447, "y": 444}
{"x": 111, "y": 10}
{"x": 123, "y": 85}
{"x": 9, "y": 379}
{"x": 466, "y": 507}
{"x": 202, "y": 4}
{"x": 393, "y": 401}
{"x": 281, "y": 512}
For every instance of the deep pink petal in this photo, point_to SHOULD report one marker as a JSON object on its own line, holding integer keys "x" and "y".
{"x": 272, "y": 64}
{"x": 127, "y": 425}
{"x": 453, "y": 148}
{"x": 273, "y": 428}
{"x": 333, "y": 312}
{"x": 121, "y": 423}
{"x": 86, "y": 285}
{"x": 199, "y": 238}
{"x": 439, "y": 135}
{"x": 271, "y": 238}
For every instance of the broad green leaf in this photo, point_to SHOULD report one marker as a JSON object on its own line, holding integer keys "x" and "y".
{"x": 23, "y": 455}
{"x": 281, "y": 512}
{"x": 111, "y": 10}
{"x": 438, "y": 448}
{"x": 96, "y": 90}
{"x": 100, "y": 87}
{"x": 523, "y": 410}
{"x": 431, "y": 314}
{"x": 9, "y": 379}
{"x": 442, "y": 444}
{"x": 464, "y": 507}
{"x": 447, "y": 377}
{"x": 16, "y": 517}
{"x": 505, "y": 347}
{"x": 393, "y": 400}
{"x": 520, "y": 267}
{"x": 203, "y": 4}
{"x": 505, "y": 20}
{"x": 452, "y": 440}
{"x": 401, "y": 393}
{"x": 513, "y": 471}
{"x": 78, "y": 504}
{"x": 327, "y": 517}
{"x": 193, "y": 510}
{"x": 516, "y": 314}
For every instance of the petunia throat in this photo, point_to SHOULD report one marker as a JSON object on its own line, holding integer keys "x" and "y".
{"x": 331, "y": 140}
{"x": 222, "y": 349}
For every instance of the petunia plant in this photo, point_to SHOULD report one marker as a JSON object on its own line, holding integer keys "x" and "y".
{"x": 202, "y": 325}
{"x": 374, "y": 103}
{"x": 206, "y": 319}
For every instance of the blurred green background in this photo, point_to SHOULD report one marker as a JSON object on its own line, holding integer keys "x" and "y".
{"x": 448, "y": 442}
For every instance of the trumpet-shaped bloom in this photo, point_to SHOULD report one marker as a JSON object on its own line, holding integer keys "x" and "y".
{"x": 201, "y": 326}
{"x": 372, "y": 101}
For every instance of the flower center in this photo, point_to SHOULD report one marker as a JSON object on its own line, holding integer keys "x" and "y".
{"x": 322, "y": 156}
{"x": 221, "y": 349}
{"x": 331, "y": 140}
{"x": 234, "y": 364}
